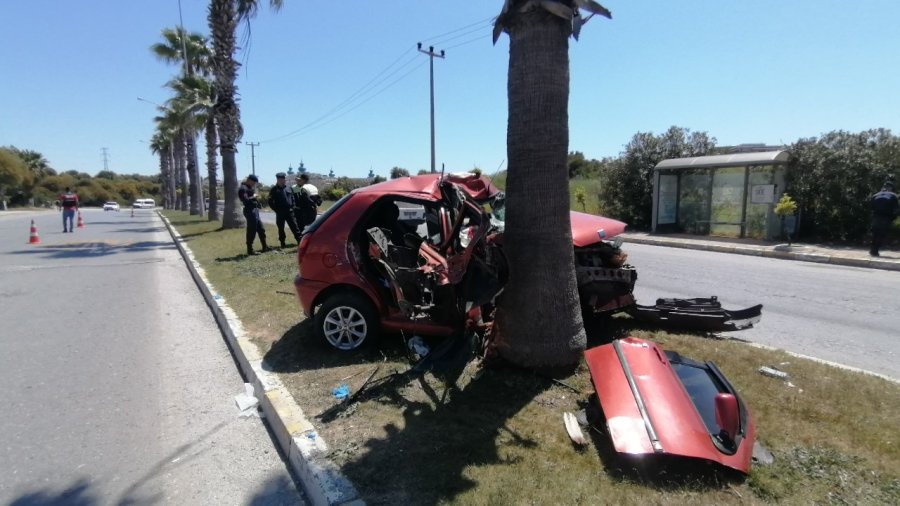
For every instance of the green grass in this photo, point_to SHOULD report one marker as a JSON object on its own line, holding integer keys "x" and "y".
{"x": 471, "y": 436}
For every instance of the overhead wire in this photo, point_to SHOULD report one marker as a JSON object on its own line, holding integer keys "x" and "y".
{"x": 385, "y": 74}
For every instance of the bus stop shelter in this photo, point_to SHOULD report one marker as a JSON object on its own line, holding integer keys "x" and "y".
{"x": 730, "y": 195}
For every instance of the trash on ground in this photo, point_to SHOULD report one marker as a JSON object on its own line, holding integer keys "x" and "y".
{"x": 573, "y": 429}
{"x": 342, "y": 392}
{"x": 772, "y": 372}
{"x": 418, "y": 347}
{"x": 761, "y": 455}
{"x": 246, "y": 401}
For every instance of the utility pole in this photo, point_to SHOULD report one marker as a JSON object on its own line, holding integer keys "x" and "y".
{"x": 105, "y": 152}
{"x": 431, "y": 54}
{"x": 253, "y": 155}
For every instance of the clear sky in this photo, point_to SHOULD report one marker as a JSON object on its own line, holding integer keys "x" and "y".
{"x": 768, "y": 71}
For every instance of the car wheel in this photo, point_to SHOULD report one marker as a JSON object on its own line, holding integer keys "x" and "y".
{"x": 347, "y": 321}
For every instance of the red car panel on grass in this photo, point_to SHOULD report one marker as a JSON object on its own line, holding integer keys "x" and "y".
{"x": 656, "y": 405}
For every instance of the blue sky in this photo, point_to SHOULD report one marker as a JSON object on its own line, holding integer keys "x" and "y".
{"x": 763, "y": 71}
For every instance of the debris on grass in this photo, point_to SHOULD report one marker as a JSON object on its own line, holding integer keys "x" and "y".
{"x": 573, "y": 429}
{"x": 342, "y": 392}
{"x": 772, "y": 372}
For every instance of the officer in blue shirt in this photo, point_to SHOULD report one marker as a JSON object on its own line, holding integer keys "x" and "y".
{"x": 885, "y": 208}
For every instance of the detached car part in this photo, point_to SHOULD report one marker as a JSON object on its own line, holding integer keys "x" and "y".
{"x": 659, "y": 402}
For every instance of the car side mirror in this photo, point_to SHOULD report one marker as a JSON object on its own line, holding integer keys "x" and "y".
{"x": 728, "y": 415}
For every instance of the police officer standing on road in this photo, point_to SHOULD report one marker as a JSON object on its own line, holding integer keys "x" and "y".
{"x": 281, "y": 200}
{"x": 247, "y": 194}
{"x": 885, "y": 208}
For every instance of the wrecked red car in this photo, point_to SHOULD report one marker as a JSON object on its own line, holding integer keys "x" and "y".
{"x": 423, "y": 254}
{"x": 659, "y": 402}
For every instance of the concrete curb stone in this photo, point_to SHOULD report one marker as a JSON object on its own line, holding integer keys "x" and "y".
{"x": 766, "y": 252}
{"x": 305, "y": 450}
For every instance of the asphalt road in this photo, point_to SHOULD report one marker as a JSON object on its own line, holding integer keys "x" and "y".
{"x": 842, "y": 314}
{"x": 117, "y": 385}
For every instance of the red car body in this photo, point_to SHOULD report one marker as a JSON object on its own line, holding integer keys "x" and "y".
{"x": 342, "y": 257}
{"x": 660, "y": 402}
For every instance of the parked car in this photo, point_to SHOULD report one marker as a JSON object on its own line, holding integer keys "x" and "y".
{"x": 424, "y": 255}
{"x": 111, "y": 206}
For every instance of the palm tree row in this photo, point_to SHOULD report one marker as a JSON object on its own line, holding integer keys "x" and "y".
{"x": 183, "y": 115}
{"x": 203, "y": 99}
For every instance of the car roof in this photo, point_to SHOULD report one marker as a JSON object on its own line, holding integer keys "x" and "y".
{"x": 478, "y": 187}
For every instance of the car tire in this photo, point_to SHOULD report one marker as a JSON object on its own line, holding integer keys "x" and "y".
{"x": 347, "y": 322}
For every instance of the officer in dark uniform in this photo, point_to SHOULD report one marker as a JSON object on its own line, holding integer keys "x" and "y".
{"x": 281, "y": 200}
{"x": 885, "y": 207}
{"x": 247, "y": 194}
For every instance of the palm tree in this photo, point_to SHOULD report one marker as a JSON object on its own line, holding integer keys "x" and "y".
{"x": 172, "y": 123}
{"x": 224, "y": 17}
{"x": 159, "y": 145}
{"x": 197, "y": 95}
{"x": 538, "y": 322}
{"x": 191, "y": 50}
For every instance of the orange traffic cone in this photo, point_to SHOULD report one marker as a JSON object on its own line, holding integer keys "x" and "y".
{"x": 80, "y": 221}
{"x": 34, "y": 238}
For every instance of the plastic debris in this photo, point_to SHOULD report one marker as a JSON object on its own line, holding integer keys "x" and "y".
{"x": 246, "y": 401}
{"x": 761, "y": 455}
{"x": 773, "y": 373}
{"x": 573, "y": 429}
{"x": 418, "y": 347}
{"x": 342, "y": 392}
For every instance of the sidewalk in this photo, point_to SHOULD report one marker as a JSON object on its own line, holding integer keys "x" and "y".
{"x": 838, "y": 255}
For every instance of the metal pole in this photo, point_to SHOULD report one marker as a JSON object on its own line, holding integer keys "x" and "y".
{"x": 431, "y": 54}
{"x": 252, "y": 155}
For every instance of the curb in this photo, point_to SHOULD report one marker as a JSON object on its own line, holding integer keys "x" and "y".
{"x": 304, "y": 450}
{"x": 768, "y": 253}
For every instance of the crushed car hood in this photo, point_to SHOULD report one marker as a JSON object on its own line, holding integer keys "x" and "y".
{"x": 649, "y": 410}
{"x": 588, "y": 229}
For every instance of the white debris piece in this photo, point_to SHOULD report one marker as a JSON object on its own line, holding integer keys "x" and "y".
{"x": 773, "y": 373}
{"x": 246, "y": 401}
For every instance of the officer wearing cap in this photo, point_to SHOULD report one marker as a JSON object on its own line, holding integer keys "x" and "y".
{"x": 281, "y": 200}
{"x": 885, "y": 208}
{"x": 247, "y": 194}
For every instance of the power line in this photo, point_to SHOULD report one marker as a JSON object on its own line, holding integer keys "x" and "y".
{"x": 377, "y": 80}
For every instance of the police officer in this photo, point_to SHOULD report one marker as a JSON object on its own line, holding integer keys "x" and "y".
{"x": 247, "y": 194}
{"x": 306, "y": 201}
{"x": 885, "y": 208}
{"x": 281, "y": 200}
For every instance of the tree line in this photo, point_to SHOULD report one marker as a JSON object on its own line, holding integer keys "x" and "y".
{"x": 27, "y": 179}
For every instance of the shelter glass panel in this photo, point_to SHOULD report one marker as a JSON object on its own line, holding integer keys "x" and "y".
{"x": 693, "y": 202}
{"x": 727, "y": 202}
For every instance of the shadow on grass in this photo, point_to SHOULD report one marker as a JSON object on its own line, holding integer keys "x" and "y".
{"x": 424, "y": 459}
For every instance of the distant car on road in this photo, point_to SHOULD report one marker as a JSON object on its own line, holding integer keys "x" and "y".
{"x": 111, "y": 206}
{"x": 144, "y": 204}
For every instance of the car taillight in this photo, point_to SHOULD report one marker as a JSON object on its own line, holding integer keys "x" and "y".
{"x": 301, "y": 248}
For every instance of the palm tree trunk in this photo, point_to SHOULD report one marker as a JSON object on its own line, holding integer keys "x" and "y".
{"x": 191, "y": 165}
{"x": 164, "y": 178}
{"x": 223, "y": 19}
{"x": 538, "y": 323}
{"x": 182, "y": 179}
{"x": 211, "y": 168}
{"x": 173, "y": 199}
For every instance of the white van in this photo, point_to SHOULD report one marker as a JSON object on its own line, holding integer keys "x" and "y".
{"x": 144, "y": 204}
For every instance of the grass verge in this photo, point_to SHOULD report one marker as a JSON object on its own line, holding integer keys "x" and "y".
{"x": 464, "y": 435}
